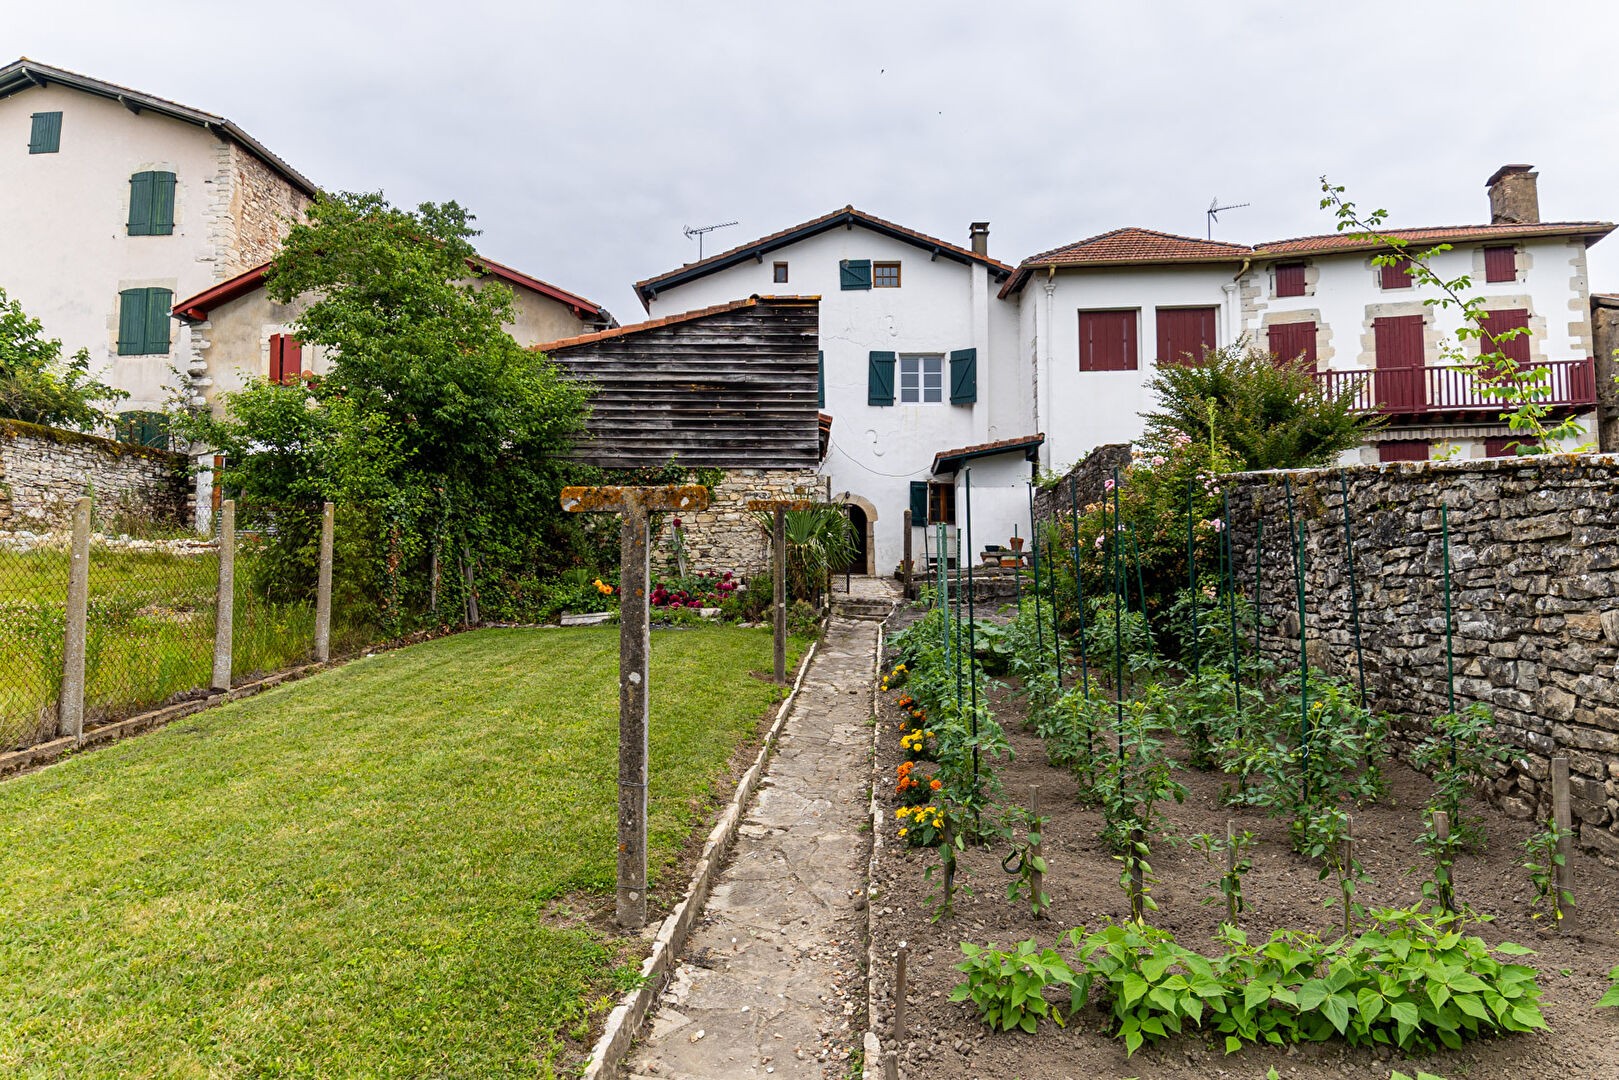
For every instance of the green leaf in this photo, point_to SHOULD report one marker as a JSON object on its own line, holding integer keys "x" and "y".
{"x": 1232, "y": 1044}
{"x": 1610, "y": 1000}
{"x": 1312, "y": 994}
{"x": 1405, "y": 1013}
{"x": 1337, "y": 1012}
{"x": 1133, "y": 987}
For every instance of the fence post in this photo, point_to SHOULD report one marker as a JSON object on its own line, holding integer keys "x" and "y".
{"x": 908, "y": 525}
{"x": 1563, "y": 818}
{"x": 70, "y": 704}
{"x": 323, "y": 589}
{"x": 226, "y": 608}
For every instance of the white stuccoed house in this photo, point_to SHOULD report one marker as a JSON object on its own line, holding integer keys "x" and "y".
{"x": 938, "y": 359}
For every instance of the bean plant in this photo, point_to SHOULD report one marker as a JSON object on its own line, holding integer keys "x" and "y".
{"x": 1544, "y": 863}
{"x": 1461, "y": 752}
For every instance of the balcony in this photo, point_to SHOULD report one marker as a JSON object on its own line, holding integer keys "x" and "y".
{"x": 1418, "y": 391}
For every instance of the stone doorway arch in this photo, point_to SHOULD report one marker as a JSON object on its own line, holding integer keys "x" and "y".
{"x": 867, "y": 543}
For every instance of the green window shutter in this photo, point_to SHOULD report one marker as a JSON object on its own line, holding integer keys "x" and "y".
{"x": 880, "y": 379}
{"x": 140, "y": 204}
{"x": 820, "y": 380}
{"x": 162, "y": 221}
{"x": 964, "y": 376}
{"x": 158, "y": 303}
{"x": 132, "y": 322}
{"x": 46, "y": 135}
{"x": 854, "y": 274}
{"x": 919, "y": 502}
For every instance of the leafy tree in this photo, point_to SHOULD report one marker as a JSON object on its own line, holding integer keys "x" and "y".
{"x": 1522, "y": 391}
{"x": 1268, "y": 412}
{"x": 438, "y": 434}
{"x": 37, "y": 385}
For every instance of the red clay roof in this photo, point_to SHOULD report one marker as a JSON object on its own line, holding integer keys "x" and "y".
{"x": 1434, "y": 234}
{"x": 847, "y": 215}
{"x": 196, "y": 308}
{"x": 1129, "y": 246}
{"x": 1000, "y": 446}
{"x": 669, "y": 320}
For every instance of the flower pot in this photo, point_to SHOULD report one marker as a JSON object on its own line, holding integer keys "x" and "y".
{"x": 1010, "y": 562}
{"x": 1017, "y": 543}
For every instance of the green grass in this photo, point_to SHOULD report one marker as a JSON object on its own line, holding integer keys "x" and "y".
{"x": 351, "y": 875}
{"x": 150, "y": 633}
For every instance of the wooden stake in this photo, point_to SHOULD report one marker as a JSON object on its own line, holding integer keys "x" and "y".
{"x": 633, "y": 504}
{"x": 1563, "y": 818}
{"x": 900, "y": 963}
{"x": 1037, "y": 880}
{"x": 778, "y": 508}
{"x": 891, "y": 1066}
{"x": 908, "y": 525}
{"x": 1441, "y": 832}
{"x": 1231, "y": 869}
{"x": 1349, "y": 870}
{"x": 1137, "y": 891}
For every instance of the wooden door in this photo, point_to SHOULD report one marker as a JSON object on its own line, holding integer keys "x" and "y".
{"x": 1400, "y": 363}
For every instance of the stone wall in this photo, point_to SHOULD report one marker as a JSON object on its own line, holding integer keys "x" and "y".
{"x": 263, "y": 209}
{"x": 1086, "y": 478}
{"x": 1534, "y": 550}
{"x": 726, "y": 536}
{"x": 43, "y": 471}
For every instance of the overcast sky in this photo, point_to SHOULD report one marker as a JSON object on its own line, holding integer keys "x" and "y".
{"x": 584, "y": 136}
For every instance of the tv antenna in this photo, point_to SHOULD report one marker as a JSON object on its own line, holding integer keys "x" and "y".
{"x": 701, "y": 231}
{"x": 1214, "y": 211}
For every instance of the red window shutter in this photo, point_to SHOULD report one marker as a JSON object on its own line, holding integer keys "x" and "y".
{"x": 1107, "y": 340}
{"x": 1289, "y": 279}
{"x": 1291, "y": 342}
{"x": 1496, "y": 445}
{"x": 1395, "y": 277}
{"x": 292, "y": 359}
{"x": 1398, "y": 342}
{"x": 275, "y": 358}
{"x": 1500, "y": 264}
{"x": 1184, "y": 334}
{"x": 1403, "y": 450}
{"x": 1497, "y": 322}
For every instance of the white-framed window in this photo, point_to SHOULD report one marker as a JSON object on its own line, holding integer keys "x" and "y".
{"x": 921, "y": 380}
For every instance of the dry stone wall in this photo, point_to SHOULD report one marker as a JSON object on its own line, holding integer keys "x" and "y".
{"x": 1534, "y": 549}
{"x": 726, "y": 536}
{"x": 1083, "y": 483}
{"x": 43, "y": 471}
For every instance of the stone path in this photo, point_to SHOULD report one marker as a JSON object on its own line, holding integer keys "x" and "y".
{"x": 770, "y": 980}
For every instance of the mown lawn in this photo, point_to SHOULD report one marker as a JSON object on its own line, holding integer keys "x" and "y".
{"x": 351, "y": 875}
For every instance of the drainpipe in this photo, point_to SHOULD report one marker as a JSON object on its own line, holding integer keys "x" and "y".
{"x": 1046, "y": 345}
{"x": 1233, "y": 293}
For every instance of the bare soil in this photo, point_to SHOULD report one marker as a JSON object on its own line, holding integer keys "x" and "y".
{"x": 945, "y": 1041}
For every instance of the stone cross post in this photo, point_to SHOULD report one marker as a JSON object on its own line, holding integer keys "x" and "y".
{"x": 633, "y": 504}
{"x": 778, "y": 563}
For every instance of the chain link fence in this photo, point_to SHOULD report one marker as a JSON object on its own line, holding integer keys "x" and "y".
{"x": 33, "y": 609}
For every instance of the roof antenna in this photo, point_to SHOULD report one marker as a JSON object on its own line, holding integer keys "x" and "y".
{"x": 699, "y": 233}
{"x": 1214, "y": 210}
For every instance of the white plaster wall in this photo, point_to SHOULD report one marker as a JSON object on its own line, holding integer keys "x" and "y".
{"x": 65, "y": 251}
{"x": 1000, "y": 500}
{"x": 1081, "y": 410}
{"x": 877, "y": 451}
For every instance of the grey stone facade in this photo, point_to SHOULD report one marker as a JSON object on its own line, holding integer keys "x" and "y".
{"x": 1534, "y": 550}
{"x": 726, "y": 536}
{"x": 43, "y": 471}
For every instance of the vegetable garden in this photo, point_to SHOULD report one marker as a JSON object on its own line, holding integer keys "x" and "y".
{"x": 1126, "y": 842}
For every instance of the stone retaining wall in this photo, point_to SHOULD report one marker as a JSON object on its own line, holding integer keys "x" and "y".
{"x": 726, "y": 535}
{"x": 43, "y": 471}
{"x": 1534, "y": 549}
{"x": 1085, "y": 479}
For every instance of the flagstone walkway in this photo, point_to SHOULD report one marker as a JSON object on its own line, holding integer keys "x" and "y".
{"x": 770, "y": 982}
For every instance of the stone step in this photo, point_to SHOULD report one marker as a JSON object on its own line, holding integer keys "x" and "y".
{"x": 862, "y": 608}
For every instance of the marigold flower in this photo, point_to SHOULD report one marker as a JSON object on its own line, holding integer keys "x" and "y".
{"x": 935, "y": 784}
{"x": 903, "y": 831}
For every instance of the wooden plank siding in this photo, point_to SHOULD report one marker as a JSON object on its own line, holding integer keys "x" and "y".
{"x": 732, "y": 387}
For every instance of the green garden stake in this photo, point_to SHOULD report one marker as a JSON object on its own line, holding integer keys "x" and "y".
{"x": 1292, "y": 523}
{"x": 1450, "y": 649}
{"x": 960, "y": 692}
{"x": 972, "y": 640}
{"x": 1229, "y": 581}
{"x": 1034, "y": 558}
{"x": 1017, "y": 578}
{"x": 1304, "y": 670}
{"x": 1079, "y": 589}
{"x": 1056, "y": 636}
{"x": 1354, "y": 596}
{"x": 1191, "y": 577}
{"x": 1120, "y": 583}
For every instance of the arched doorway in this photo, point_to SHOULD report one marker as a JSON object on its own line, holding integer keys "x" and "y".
{"x": 859, "y": 526}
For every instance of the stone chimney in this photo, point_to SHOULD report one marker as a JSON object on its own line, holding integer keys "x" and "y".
{"x": 1514, "y": 198}
{"x": 979, "y": 231}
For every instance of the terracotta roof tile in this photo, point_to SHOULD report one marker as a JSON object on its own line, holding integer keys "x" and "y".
{"x": 1129, "y": 246}
{"x": 1433, "y": 234}
{"x": 961, "y": 453}
{"x": 669, "y": 320}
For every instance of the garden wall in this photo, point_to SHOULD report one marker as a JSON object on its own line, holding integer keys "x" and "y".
{"x": 726, "y": 536}
{"x": 1088, "y": 476}
{"x": 44, "y": 470}
{"x": 1534, "y": 548}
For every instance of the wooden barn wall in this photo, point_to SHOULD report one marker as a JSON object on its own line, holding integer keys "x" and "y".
{"x": 733, "y": 390}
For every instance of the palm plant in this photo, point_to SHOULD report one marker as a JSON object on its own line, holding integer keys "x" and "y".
{"x": 820, "y": 540}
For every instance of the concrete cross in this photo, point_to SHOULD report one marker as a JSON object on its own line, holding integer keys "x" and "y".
{"x": 633, "y": 505}
{"x": 778, "y": 561}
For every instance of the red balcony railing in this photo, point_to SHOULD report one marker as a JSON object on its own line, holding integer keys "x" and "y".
{"x": 1452, "y": 389}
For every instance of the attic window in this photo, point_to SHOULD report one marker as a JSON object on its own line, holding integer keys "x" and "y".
{"x": 780, "y": 273}
{"x": 885, "y": 275}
